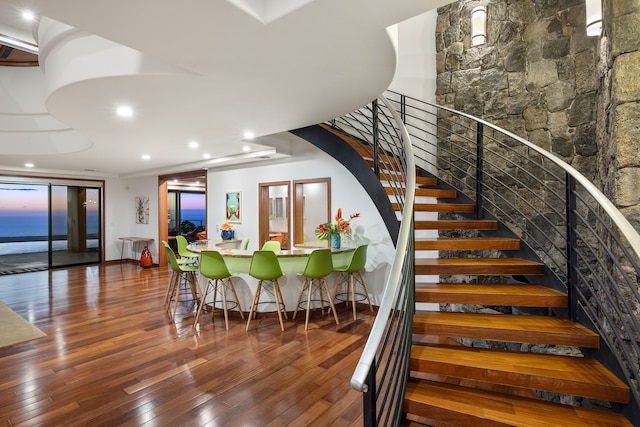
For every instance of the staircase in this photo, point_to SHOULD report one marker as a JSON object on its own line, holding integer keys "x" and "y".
{"x": 453, "y": 384}
{"x": 519, "y": 379}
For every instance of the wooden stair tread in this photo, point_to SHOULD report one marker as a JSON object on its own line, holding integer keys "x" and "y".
{"x": 424, "y": 180}
{"x": 457, "y": 225}
{"x": 518, "y": 294}
{"x": 427, "y": 192}
{"x": 467, "y": 243}
{"x": 439, "y": 207}
{"x": 420, "y": 180}
{"x": 505, "y": 327}
{"x": 580, "y": 376}
{"x": 482, "y": 266}
{"x": 467, "y": 406}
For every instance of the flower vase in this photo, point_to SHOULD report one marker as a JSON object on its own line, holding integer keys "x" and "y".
{"x": 227, "y": 234}
{"x": 335, "y": 241}
{"x": 145, "y": 258}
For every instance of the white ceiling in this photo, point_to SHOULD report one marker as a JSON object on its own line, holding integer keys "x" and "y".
{"x": 207, "y": 72}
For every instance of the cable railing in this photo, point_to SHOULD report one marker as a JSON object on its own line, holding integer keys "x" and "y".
{"x": 382, "y": 371}
{"x": 590, "y": 249}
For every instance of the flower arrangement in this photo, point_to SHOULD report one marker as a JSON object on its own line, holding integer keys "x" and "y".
{"x": 339, "y": 226}
{"x": 226, "y": 231}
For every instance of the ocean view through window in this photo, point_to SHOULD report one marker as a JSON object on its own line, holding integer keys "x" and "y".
{"x": 31, "y": 214}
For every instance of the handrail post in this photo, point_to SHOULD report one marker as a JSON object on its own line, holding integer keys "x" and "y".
{"x": 369, "y": 414}
{"x": 479, "y": 168}
{"x": 403, "y": 108}
{"x": 572, "y": 257}
{"x": 376, "y": 160}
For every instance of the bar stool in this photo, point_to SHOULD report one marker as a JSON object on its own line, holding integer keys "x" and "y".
{"x": 181, "y": 261}
{"x": 180, "y": 273}
{"x": 352, "y": 275}
{"x": 213, "y": 267}
{"x": 271, "y": 245}
{"x": 319, "y": 266}
{"x": 266, "y": 268}
{"x": 185, "y": 253}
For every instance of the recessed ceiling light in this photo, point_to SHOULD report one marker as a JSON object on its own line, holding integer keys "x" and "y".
{"x": 124, "y": 111}
{"x": 27, "y": 15}
{"x": 206, "y": 155}
{"x": 246, "y": 148}
{"x": 28, "y": 165}
{"x": 249, "y": 135}
{"x": 193, "y": 144}
{"x": 146, "y": 157}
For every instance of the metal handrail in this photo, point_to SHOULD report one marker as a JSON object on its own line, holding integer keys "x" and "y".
{"x": 381, "y": 372}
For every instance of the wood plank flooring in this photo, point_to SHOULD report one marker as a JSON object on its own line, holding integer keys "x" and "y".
{"x": 112, "y": 356}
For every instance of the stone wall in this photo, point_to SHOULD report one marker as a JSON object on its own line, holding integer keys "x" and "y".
{"x": 537, "y": 75}
{"x": 619, "y": 106}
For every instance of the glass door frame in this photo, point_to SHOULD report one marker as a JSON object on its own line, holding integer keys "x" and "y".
{"x": 69, "y": 182}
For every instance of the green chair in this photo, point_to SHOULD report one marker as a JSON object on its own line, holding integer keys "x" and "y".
{"x": 352, "y": 275}
{"x": 246, "y": 244}
{"x": 266, "y": 268}
{"x": 213, "y": 267}
{"x": 185, "y": 253}
{"x": 181, "y": 273}
{"x": 181, "y": 261}
{"x": 271, "y": 245}
{"x": 319, "y": 266}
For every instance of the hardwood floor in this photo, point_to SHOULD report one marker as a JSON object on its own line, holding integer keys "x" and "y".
{"x": 112, "y": 356}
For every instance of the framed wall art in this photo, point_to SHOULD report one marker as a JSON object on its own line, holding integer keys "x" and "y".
{"x": 233, "y": 205}
{"x": 142, "y": 210}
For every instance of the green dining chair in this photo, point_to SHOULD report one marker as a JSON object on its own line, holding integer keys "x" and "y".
{"x": 246, "y": 244}
{"x": 181, "y": 274}
{"x": 181, "y": 261}
{"x": 351, "y": 274}
{"x": 185, "y": 253}
{"x": 271, "y": 245}
{"x": 214, "y": 268}
{"x": 266, "y": 268}
{"x": 319, "y": 266}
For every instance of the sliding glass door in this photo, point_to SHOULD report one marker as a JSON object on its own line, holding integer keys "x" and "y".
{"x": 75, "y": 225}
{"x": 24, "y": 227}
{"x": 46, "y": 225}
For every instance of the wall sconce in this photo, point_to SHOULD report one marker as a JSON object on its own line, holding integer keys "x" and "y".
{"x": 594, "y": 17}
{"x": 478, "y": 25}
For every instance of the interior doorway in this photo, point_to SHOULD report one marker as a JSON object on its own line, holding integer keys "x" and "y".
{"x": 175, "y": 192}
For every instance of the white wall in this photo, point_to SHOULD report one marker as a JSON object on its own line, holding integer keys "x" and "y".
{"x": 416, "y": 70}
{"x": 120, "y": 216}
